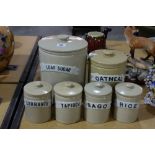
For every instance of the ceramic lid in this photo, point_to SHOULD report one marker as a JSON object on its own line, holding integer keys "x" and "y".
{"x": 37, "y": 88}
{"x": 62, "y": 43}
{"x": 108, "y": 57}
{"x": 95, "y": 34}
{"x": 128, "y": 89}
{"x": 68, "y": 88}
{"x": 98, "y": 89}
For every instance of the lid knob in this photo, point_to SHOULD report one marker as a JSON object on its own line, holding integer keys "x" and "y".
{"x": 39, "y": 84}
{"x": 70, "y": 85}
{"x": 130, "y": 86}
{"x": 99, "y": 85}
{"x": 108, "y": 53}
{"x": 63, "y": 37}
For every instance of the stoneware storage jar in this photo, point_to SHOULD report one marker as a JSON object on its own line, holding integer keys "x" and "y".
{"x": 97, "y": 102}
{"x": 62, "y": 58}
{"x": 107, "y": 66}
{"x": 128, "y": 97}
{"x": 68, "y": 100}
{"x": 37, "y": 101}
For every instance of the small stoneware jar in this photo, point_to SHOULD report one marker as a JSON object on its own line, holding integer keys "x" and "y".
{"x": 97, "y": 102}
{"x": 128, "y": 97}
{"x": 63, "y": 58}
{"x": 68, "y": 100}
{"x": 37, "y": 101}
{"x": 107, "y": 66}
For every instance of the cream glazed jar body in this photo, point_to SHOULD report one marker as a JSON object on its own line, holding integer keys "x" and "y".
{"x": 68, "y": 102}
{"x": 38, "y": 101}
{"x": 107, "y": 66}
{"x": 128, "y": 98}
{"x": 97, "y": 102}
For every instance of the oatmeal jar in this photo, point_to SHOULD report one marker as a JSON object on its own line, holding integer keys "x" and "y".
{"x": 97, "y": 102}
{"x": 63, "y": 58}
{"x": 107, "y": 66}
{"x": 37, "y": 101}
{"x": 68, "y": 101}
{"x": 128, "y": 97}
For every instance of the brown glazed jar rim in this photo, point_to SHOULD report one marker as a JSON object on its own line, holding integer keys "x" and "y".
{"x": 100, "y": 34}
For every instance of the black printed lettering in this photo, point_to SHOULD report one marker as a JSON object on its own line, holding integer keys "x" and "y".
{"x": 121, "y": 104}
{"x": 135, "y": 106}
{"x": 111, "y": 79}
{"x": 105, "y": 106}
{"x": 96, "y": 78}
{"x": 99, "y": 106}
{"x": 93, "y": 106}
{"x": 130, "y": 106}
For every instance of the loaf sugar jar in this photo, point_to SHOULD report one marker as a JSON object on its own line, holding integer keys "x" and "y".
{"x": 107, "y": 66}
{"x": 62, "y": 58}
{"x": 97, "y": 102}
{"x": 68, "y": 100}
{"x": 128, "y": 97}
{"x": 37, "y": 101}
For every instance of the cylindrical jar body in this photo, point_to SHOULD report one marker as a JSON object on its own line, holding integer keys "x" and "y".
{"x": 128, "y": 97}
{"x": 68, "y": 101}
{"x": 63, "y": 60}
{"x": 107, "y": 66}
{"x": 38, "y": 101}
{"x": 97, "y": 102}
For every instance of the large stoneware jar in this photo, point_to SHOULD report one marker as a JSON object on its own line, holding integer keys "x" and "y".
{"x": 63, "y": 58}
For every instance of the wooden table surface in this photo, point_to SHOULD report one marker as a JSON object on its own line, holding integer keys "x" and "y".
{"x": 6, "y": 93}
{"x": 23, "y": 49}
{"x": 146, "y": 118}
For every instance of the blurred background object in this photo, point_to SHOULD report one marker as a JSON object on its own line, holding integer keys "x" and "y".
{"x": 116, "y": 34}
{"x": 6, "y": 47}
{"x": 146, "y": 31}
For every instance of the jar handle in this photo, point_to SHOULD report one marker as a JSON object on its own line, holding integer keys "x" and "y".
{"x": 130, "y": 86}
{"x": 63, "y": 37}
{"x": 39, "y": 84}
{"x": 99, "y": 85}
{"x": 108, "y": 53}
{"x": 70, "y": 85}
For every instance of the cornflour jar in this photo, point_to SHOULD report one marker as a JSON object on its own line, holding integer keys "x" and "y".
{"x": 128, "y": 96}
{"x": 97, "y": 102}
{"x": 37, "y": 101}
{"x": 107, "y": 66}
{"x": 68, "y": 100}
{"x": 62, "y": 58}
